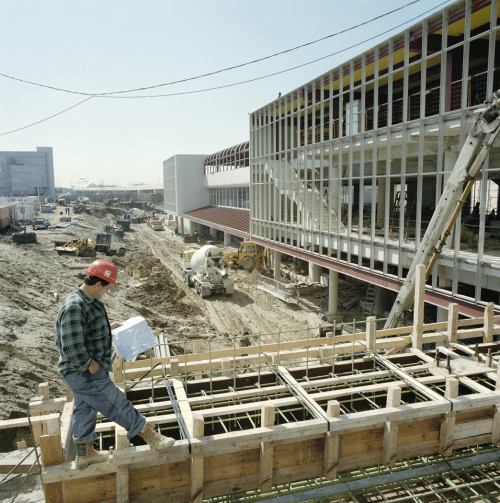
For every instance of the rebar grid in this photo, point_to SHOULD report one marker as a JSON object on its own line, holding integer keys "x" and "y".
{"x": 476, "y": 483}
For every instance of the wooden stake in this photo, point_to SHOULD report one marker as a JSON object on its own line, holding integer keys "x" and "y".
{"x": 174, "y": 367}
{"x": 489, "y": 315}
{"x": 266, "y": 451}
{"x": 332, "y": 444}
{"x": 69, "y": 393}
{"x": 197, "y": 462}
{"x": 226, "y": 366}
{"x": 118, "y": 370}
{"x": 452, "y": 322}
{"x": 371, "y": 334}
{"x": 51, "y": 456}
{"x": 391, "y": 428}
{"x": 418, "y": 313}
{"x": 122, "y": 478}
{"x": 447, "y": 432}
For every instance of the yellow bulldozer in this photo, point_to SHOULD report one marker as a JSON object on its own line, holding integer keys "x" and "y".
{"x": 80, "y": 247}
{"x": 248, "y": 256}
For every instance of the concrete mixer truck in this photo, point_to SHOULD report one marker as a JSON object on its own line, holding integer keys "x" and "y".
{"x": 205, "y": 271}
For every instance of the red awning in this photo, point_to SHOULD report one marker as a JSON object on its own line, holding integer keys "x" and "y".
{"x": 233, "y": 220}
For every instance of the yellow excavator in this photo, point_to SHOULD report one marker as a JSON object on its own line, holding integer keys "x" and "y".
{"x": 80, "y": 247}
{"x": 248, "y": 256}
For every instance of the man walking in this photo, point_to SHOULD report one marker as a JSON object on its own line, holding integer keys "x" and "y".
{"x": 83, "y": 336}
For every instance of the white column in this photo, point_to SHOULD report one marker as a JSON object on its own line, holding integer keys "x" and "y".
{"x": 333, "y": 293}
{"x": 181, "y": 230}
{"x": 213, "y": 232}
{"x": 314, "y": 272}
{"x": 277, "y": 264}
{"x": 191, "y": 228}
{"x": 176, "y": 222}
{"x": 227, "y": 239}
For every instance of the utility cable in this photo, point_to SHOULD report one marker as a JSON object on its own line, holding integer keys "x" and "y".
{"x": 222, "y": 70}
{"x": 47, "y": 118}
{"x": 227, "y": 85}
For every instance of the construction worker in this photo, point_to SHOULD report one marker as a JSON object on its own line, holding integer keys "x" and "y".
{"x": 83, "y": 336}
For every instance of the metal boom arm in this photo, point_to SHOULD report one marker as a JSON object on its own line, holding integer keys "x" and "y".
{"x": 466, "y": 169}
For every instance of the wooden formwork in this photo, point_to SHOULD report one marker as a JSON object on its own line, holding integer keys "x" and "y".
{"x": 455, "y": 408}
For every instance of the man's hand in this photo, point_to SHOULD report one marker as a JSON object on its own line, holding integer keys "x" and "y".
{"x": 94, "y": 367}
{"x": 115, "y": 324}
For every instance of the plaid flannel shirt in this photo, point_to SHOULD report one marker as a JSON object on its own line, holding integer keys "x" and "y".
{"x": 83, "y": 334}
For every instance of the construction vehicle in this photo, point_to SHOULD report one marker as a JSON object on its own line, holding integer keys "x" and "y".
{"x": 124, "y": 222}
{"x": 80, "y": 247}
{"x": 110, "y": 245}
{"x": 472, "y": 156}
{"x": 137, "y": 215}
{"x": 61, "y": 201}
{"x": 40, "y": 223}
{"x": 187, "y": 271}
{"x": 209, "y": 275}
{"x": 157, "y": 225}
{"x": 248, "y": 256}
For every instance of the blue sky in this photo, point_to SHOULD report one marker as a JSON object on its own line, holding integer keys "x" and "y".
{"x": 111, "y": 45}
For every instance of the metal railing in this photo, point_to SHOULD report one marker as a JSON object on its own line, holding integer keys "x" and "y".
{"x": 283, "y": 291}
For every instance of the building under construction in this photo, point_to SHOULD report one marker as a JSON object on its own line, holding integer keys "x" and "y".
{"x": 344, "y": 172}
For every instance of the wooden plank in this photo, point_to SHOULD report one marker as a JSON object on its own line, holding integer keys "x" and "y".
{"x": 495, "y": 428}
{"x": 447, "y": 433}
{"x": 24, "y": 421}
{"x": 391, "y": 428}
{"x": 50, "y": 405}
{"x": 332, "y": 444}
{"x": 122, "y": 474}
{"x": 51, "y": 455}
{"x": 196, "y": 486}
{"x": 316, "y": 409}
{"x": 266, "y": 451}
{"x": 183, "y": 403}
{"x": 408, "y": 378}
{"x": 65, "y": 426}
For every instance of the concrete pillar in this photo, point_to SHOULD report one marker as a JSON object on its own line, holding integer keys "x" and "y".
{"x": 227, "y": 239}
{"x": 191, "y": 227}
{"x": 277, "y": 265}
{"x": 176, "y": 222}
{"x": 181, "y": 230}
{"x": 333, "y": 293}
{"x": 213, "y": 232}
{"x": 314, "y": 272}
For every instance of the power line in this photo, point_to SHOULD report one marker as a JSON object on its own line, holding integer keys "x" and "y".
{"x": 217, "y": 71}
{"x": 236, "y": 83}
{"x": 275, "y": 73}
{"x": 46, "y": 119}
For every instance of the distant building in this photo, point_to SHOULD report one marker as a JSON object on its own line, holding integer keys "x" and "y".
{"x": 28, "y": 173}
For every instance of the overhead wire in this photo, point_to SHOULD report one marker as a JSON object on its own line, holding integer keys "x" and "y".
{"x": 226, "y": 85}
{"x": 217, "y": 71}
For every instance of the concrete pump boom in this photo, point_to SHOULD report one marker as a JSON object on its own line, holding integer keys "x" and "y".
{"x": 466, "y": 169}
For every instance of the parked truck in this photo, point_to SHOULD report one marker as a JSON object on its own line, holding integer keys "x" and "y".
{"x": 205, "y": 271}
{"x": 187, "y": 271}
{"x": 137, "y": 215}
{"x": 110, "y": 245}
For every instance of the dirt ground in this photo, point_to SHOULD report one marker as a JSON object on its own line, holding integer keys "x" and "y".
{"x": 34, "y": 281}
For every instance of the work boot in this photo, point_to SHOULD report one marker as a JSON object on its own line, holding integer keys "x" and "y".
{"x": 155, "y": 440}
{"x": 86, "y": 455}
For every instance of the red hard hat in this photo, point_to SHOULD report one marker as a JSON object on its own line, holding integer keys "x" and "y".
{"x": 104, "y": 269}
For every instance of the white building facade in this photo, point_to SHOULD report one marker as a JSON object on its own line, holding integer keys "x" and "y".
{"x": 346, "y": 170}
{"x": 27, "y": 173}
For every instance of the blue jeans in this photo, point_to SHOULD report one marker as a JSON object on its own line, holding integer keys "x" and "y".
{"x": 95, "y": 393}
